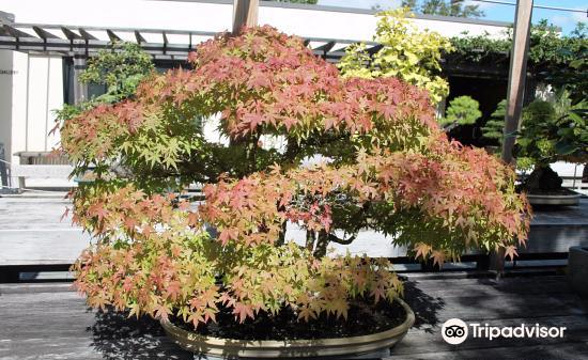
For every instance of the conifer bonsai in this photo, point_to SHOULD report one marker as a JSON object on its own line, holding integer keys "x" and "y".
{"x": 551, "y": 131}
{"x": 389, "y": 167}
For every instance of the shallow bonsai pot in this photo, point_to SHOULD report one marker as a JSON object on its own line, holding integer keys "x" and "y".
{"x": 345, "y": 347}
{"x": 578, "y": 269}
{"x": 544, "y": 199}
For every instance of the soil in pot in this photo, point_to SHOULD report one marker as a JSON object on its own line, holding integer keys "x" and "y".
{"x": 363, "y": 318}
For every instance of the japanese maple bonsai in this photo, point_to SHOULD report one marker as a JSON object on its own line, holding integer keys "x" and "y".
{"x": 388, "y": 167}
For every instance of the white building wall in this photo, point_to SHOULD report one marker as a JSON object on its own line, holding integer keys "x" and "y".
{"x": 31, "y": 87}
{"x": 45, "y": 94}
{"x": 20, "y": 85}
{"x": 6, "y": 77}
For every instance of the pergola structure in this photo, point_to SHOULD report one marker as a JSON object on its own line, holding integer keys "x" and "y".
{"x": 84, "y": 42}
{"x": 162, "y": 44}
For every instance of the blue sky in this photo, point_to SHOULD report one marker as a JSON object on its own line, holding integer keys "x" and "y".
{"x": 566, "y": 20}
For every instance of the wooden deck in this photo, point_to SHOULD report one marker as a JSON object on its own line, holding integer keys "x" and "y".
{"x": 49, "y": 321}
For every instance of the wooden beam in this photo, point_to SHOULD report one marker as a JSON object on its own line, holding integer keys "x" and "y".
{"x": 43, "y": 34}
{"x": 113, "y": 37}
{"x": 515, "y": 95}
{"x": 245, "y": 13}
{"x": 139, "y": 37}
{"x": 70, "y": 34}
{"x": 15, "y": 32}
{"x": 86, "y": 35}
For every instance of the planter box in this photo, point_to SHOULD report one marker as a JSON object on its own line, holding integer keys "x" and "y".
{"x": 578, "y": 269}
{"x": 558, "y": 200}
{"x": 356, "y": 347}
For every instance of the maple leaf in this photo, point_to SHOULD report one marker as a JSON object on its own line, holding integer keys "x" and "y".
{"x": 438, "y": 257}
{"x": 227, "y": 300}
{"x": 340, "y": 307}
{"x": 378, "y": 293}
{"x": 161, "y": 311}
{"x": 422, "y": 250}
{"x": 511, "y": 252}
{"x": 243, "y": 311}
{"x": 289, "y": 121}
{"x": 98, "y": 210}
{"x": 134, "y": 310}
{"x": 257, "y": 80}
{"x": 196, "y": 318}
{"x": 130, "y": 223}
{"x": 209, "y": 314}
{"x": 306, "y": 313}
{"x": 174, "y": 289}
{"x": 65, "y": 214}
{"x": 193, "y": 219}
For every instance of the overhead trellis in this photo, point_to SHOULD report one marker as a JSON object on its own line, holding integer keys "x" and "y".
{"x": 162, "y": 44}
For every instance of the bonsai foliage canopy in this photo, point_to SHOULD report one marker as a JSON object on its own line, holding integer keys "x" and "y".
{"x": 387, "y": 166}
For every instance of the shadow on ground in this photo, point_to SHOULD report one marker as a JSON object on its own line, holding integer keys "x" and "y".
{"x": 117, "y": 337}
{"x": 425, "y": 307}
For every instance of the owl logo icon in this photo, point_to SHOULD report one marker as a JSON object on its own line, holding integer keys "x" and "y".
{"x": 454, "y": 331}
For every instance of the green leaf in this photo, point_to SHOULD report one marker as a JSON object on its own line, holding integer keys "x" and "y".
{"x": 565, "y": 148}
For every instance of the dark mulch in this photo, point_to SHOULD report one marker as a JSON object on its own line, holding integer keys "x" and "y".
{"x": 363, "y": 318}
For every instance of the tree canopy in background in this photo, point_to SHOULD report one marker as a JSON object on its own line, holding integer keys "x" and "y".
{"x": 407, "y": 53}
{"x": 561, "y": 61}
{"x": 313, "y": 2}
{"x": 444, "y": 8}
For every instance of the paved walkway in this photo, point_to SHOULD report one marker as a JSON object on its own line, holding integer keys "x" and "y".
{"x": 49, "y": 321}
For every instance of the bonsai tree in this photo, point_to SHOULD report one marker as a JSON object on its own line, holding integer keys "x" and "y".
{"x": 494, "y": 127}
{"x": 551, "y": 131}
{"x": 389, "y": 167}
{"x": 463, "y": 110}
{"x": 119, "y": 68}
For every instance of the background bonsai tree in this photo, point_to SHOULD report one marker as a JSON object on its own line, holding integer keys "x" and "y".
{"x": 388, "y": 167}
{"x": 494, "y": 127}
{"x": 463, "y": 110}
{"x": 551, "y": 131}
{"x": 120, "y": 69}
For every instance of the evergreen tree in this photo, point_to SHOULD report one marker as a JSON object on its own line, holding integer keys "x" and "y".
{"x": 455, "y": 8}
{"x": 494, "y": 128}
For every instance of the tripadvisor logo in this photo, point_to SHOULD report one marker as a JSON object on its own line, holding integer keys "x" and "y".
{"x": 455, "y": 331}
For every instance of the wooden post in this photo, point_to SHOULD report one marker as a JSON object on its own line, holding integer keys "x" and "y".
{"x": 517, "y": 76}
{"x": 3, "y": 171}
{"x": 245, "y": 13}
{"x": 515, "y": 96}
{"x": 79, "y": 64}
